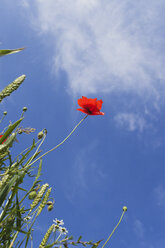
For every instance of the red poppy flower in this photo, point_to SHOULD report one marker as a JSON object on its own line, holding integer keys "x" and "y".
{"x": 90, "y": 106}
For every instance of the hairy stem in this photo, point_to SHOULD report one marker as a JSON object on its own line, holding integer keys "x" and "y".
{"x": 60, "y": 142}
{"x": 114, "y": 229}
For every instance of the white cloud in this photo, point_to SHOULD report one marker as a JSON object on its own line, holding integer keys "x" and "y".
{"x": 159, "y": 193}
{"x": 139, "y": 229}
{"x": 130, "y": 121}
{"x": 106, "y": 46}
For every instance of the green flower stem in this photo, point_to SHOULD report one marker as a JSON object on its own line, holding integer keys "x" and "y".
{"x": 28, "y": 163}
{"x": 115, "y": 228}
{"x": 12, "y": 243}
{"x": 30, "y": 228}
{"x": 2, "y": 118}
{"x": 26, "y": 150}
{"x": 59, "y": 143}
{"x": 58, "y": 237}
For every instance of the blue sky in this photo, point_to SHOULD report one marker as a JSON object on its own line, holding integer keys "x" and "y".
{"x": 113, "y": 51}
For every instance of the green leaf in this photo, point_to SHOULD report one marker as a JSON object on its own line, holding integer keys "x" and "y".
{"x": 8, "y": 143}
{"x": 69, "y": 238}
{"x": 79, "y": 239}
{"x": 27, "y": 239}
{"x": 4, "y": 192}
{"x": 39, "y": 171}
{"x": 9, "y": 186}
{"x": 19, "y": 230}
{"x": 10, "y": 130}
{"x": 36, "y": 181}
{"x": 84, "y": 244}
{"x": 50, "y": 245}
{"x": 18, "y": 214}
{"x": 22, "y": 189}
{"x": 95, "y": 245}
{"x": 10, "y": 51}
{"x": 34, "y": 156}
{"x": 24, "y": 156}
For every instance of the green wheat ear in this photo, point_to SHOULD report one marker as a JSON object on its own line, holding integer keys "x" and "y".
{"x": 44, "y": 201}
{"x": 38, "y": 198}
{"x": 3, "y": 181}
{"x": 11, "y": 87}
{"x": 46, "y": 237}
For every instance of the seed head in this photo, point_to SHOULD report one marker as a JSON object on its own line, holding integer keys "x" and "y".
{"x": 125, "y": 209}
{"x": 24, "y": 109}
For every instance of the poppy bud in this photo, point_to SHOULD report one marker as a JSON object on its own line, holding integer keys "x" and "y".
{"x": 40, "y": 135}
{"x": 32, "y": 195}
{"x": 125, "y": 209}
{"x": 50, "y": 207}
{"x": 24, "y": 109}
{"x": 5, "y": 112}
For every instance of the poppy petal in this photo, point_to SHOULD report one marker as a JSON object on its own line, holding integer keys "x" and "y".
{"x": 83, "y": 110}
{"x": 90, "y": 106}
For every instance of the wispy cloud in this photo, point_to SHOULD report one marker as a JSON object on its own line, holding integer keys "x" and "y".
{"x": 85, "y": 172}
{"x": 159, "y": 193}
{"x": 106, "y": 46}
{"x": 25, "y": 4}
{"x": 145, "y": 237}
{"x": 130, "y": 121}
{"x": 139, "y": 229}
